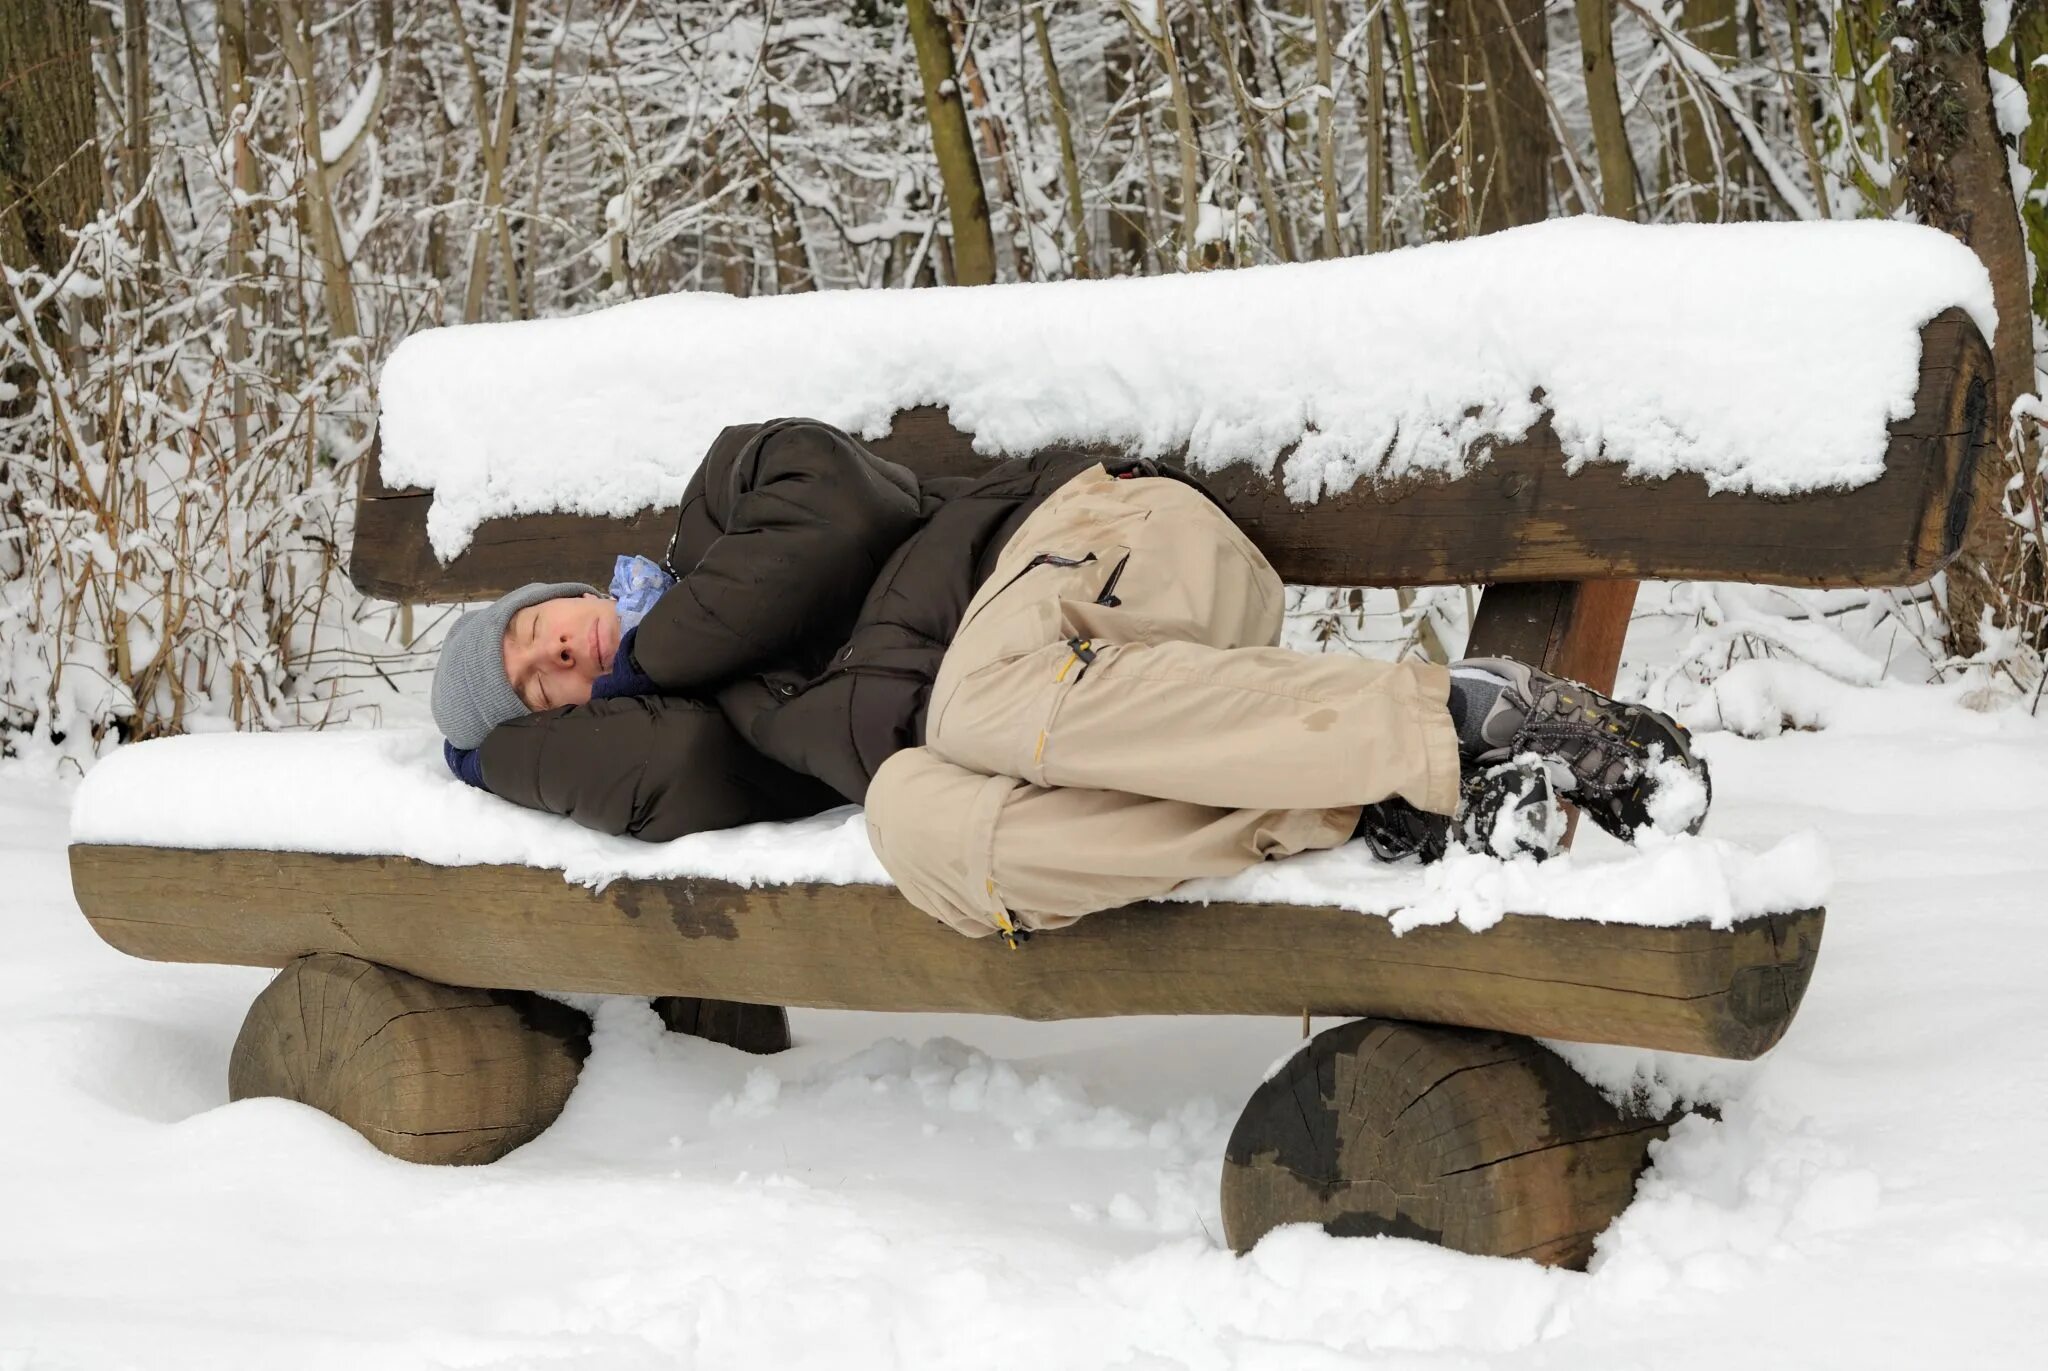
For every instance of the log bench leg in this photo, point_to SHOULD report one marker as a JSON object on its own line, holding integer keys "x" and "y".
{"x": 427, "y": 1072}
{"x": 756, "y": 1028}
{"x": 1484, "y": 1142}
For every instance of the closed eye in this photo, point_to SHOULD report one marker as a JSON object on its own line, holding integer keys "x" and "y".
{"x": 532, "y": 637}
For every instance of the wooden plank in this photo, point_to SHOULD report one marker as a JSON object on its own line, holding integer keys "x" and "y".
{"x": 1726, "y": 993}
{"x": 1518, "y": 517}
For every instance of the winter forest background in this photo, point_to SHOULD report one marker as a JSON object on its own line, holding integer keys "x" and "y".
{"x": 217, "y": 218}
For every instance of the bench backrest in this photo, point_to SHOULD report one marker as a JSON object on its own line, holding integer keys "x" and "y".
{"x": 1518, "y": 517}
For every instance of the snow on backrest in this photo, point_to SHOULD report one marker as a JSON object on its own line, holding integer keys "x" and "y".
{"x": 1766, "y": 357}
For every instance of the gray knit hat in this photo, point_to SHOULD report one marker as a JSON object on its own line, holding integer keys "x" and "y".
{"x": 472, "y": 693}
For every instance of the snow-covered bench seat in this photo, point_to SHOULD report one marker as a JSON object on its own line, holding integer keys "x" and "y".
{"x": 1555, "y": 412}
{"x": 1695, "y": 946}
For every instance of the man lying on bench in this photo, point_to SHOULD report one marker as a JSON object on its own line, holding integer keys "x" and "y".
{"x": 1054, "y": 686}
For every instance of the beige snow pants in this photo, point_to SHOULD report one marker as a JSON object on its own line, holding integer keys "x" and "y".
{"x": 1113, "y": 718}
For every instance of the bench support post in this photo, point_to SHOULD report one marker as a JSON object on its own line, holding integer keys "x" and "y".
{"x": 426, "y": 1072}
{"x": 1483, "y": 1142}
{"x": 758, "y": 1028}
{"x": 1569, "y": 628}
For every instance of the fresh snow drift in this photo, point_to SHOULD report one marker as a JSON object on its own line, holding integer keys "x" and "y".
{"x": 386, "y": 792}
{"x": 976, "y": 1193}
{"x": 1753, "y": 354}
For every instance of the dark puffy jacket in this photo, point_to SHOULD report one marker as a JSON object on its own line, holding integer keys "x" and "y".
{"x": 818, "y": 587}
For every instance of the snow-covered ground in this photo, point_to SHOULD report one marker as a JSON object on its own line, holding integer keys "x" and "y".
{"x": 953, "y": 1192}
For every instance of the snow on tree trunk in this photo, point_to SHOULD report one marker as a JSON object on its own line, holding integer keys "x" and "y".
{"x": 1956, "y": 179}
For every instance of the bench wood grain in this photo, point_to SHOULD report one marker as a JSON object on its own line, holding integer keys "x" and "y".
{"x": 1718, "y": 992}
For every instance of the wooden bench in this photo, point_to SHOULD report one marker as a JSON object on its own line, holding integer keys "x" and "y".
{"x": 1433, "y": 1115}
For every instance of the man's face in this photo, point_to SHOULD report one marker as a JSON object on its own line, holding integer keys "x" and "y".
{"x": 555, "y": 649}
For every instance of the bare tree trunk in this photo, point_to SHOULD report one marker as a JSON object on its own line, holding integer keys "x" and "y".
{"x": 1070, "y": 163}
{"x": 1956, "y": 179}
{"x": 1411, "y": 98}
{"x": 1252, "y": 131}
{"x": 1375, "y": 141}
{"x": 543, "y": 137}
{"x": 49, "y": 160}
{"x": 1326, "y": 141}
{"x": 496, "y": 139}
{"x": 1482, "y": 90}
{"x": 234, "y": 99}
{"x": 792, "y": 259}
{"x": 1710, "y": 158}
{"x": 974, "y": 247}
{"x": 1603, "y": 102}
{"x": 2030, "y": 61}
{"x": 1167, "y": 50}
{"x": 320, "y": 213}
{"x": 1792, "y": 68}
{"x": 1130, "y": 233}
{"x": 995, "y": 143}
{"x": 135, "y": 141}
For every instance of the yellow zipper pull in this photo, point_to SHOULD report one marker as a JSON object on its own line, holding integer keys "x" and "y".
{"x": 1010, "y": 933}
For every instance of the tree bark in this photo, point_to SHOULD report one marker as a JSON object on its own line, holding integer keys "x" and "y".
{"x": 2030, "y": 61}
{"x": 1481, "y": 91}
{"x": 1251, "y": 127}
{"x": 135, "y": 136}
{"x": 974, "y": 248}
{"x": 1708, "y": 153}
{"x": 1403, "y": 38}
{"x": 987, "y": 123}
{"x": 321, "y": 219}
{"x": 1167, "y": 49}
{"x": 49, "y": 159}
{"x": 234, "y": 95}
{"x": 1955, "y": 175}
{"x": 1070, "y": 163}
{"x": 495, "y": 135}
{"x": 1603, "y": 102}
{"x": 1326, "y": 142}
{"x": 1375, "y": 140}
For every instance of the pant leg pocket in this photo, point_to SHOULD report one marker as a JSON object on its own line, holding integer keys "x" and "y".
{"x": 984, "y": 674}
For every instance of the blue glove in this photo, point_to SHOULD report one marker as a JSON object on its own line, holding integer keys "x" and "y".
{"x": 466, "y": 764}
{"x": 636, "y": 584}
{"x": 624, "y": 678}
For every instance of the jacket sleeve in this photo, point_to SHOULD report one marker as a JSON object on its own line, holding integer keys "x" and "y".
{"x": 804, "y": 517}
{"x": 645, "y": 767}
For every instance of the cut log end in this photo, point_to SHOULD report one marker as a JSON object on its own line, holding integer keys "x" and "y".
{"x": 1483, "y": 1142}
{"x": 427, "y": 1072}
{"x": 758, "y": 1028}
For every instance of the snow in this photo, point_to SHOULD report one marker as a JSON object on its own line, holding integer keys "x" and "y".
{"x": 1679, "y": 799}
{"x": 335, "y": 142}
{"x": 1754, "y": 354}
{"x": 967, "y": 1192}
{"x": 388, "y": 792}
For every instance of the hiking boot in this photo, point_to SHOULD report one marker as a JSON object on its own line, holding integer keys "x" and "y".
{"x": 1510, "y": 809}
{"x": 1394, "y": 829}
{"x": 1506, "y": 810}
{"x": 1628, "y": 767}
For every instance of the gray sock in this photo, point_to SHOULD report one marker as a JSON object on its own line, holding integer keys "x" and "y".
{"x": 1473, "y": 694}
